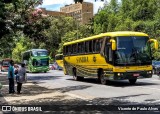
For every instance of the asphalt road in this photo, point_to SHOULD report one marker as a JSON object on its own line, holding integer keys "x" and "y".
{"x": 145, "y": 91}
{"x": 55, "y": 88}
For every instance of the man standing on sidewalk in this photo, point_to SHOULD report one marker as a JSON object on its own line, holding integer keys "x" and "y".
{"x": 11, "y": 77}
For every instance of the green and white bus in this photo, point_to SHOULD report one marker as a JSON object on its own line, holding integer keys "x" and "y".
{"x": 36, "y": 60}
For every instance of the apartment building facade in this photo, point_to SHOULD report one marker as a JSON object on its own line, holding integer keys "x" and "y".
{"x": 82, "y": 12}
{"x": 53, "y": 13}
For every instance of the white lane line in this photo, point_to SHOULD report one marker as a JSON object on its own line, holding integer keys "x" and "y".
{"x": 149, "y": 88}
{"x": 84, "y": 97}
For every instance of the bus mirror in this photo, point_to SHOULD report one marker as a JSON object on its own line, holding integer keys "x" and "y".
{"x": 155, "y": 43}
{"x": 113, "y": 44}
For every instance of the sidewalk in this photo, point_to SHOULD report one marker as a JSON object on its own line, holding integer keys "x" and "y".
{"x": 32, "y": 94}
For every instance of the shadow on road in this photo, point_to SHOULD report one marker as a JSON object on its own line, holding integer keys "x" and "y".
{"x": 120, "y": 83}
{"x": 33, "y": 78}
{"x": 67, "y": 104}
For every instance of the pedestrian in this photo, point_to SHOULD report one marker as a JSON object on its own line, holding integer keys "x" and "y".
{"x": 21, "y": 77}
{"x": 16, "y": 67}
{"x": 11, "y": 77}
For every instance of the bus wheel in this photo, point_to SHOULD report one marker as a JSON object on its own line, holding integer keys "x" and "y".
{"x": 102, "y": 78}
{"x": 45, "y": 71}
{"x": 75, "y": 77}
{"x": 132, "y": 81}
{"x": 154, "y": 71}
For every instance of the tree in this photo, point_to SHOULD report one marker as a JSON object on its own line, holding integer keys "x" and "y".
{"x": 22, "y": 45}
{"x": 132, "y": 15}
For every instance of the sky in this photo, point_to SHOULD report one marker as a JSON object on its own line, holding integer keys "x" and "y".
{"x": 54, "y": 5}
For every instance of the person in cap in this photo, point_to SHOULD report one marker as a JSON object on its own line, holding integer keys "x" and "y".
{"x": 11, "y": 77}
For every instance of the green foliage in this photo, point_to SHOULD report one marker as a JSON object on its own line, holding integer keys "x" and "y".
{"x": 23, "y": 27}
{"x": 130, "y": 15}
{"x": 22, "y": 45}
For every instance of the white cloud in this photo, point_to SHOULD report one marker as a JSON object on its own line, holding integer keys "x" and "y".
{"x": 96, "y": 4}
{"x": 51, "y": 2}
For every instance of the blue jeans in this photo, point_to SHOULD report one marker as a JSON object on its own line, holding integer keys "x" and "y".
{"x": 11, "y": 85}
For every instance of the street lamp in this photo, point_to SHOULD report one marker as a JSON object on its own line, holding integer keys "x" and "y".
{"x": 82, "y": 16}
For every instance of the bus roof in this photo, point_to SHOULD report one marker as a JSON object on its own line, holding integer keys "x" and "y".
{"x": 58, "y": 54}
{"x": 111, "y": 34}
{"x": 36, "y": 50}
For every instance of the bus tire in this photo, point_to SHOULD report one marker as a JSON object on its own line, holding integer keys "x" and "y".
{"x": 75, "y": 77}
{"x": 154, "y": 71}
{"x": 132, "y": 81}
{"x": 102, "y": 78}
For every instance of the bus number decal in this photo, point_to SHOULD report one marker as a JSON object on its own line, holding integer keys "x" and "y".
{"x": 94, "y": 59}
{"x": 82, "y": 59}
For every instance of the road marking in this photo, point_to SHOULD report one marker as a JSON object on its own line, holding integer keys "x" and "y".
{"x": 149, "y": 88}
{"x": 85, "y": 97}
{"x": 154, "y": 80}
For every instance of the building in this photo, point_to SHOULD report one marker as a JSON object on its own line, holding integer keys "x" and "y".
{"x": 53, "y": 13}
{"x": 82, "y": 12}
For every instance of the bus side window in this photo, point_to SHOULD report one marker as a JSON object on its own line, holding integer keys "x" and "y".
{"x": 90, "y": 46}
{"x": 75, "y": 49}
{"x": 64, "y": 52}
{"x": 79, "y": 48}
{"x": 70, "y": 50}
{"x": 94, "y": 45}
{"x": 86, "y": 47}
{"x": 98, "y": 45}
{"x": 83, "y": 47}
{"x": 73, "y": 46}
{"x": 80, "y": 45}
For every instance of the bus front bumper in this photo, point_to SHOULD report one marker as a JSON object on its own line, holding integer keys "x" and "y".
{"x": 128, "y": 75}
{"x": 36, "y": 69}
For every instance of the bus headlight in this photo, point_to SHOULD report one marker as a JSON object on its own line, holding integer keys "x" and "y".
{"x": 149, "y": 72}
{"x": 119, "y": 74}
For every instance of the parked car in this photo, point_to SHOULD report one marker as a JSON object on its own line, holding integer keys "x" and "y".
{"x": 51, "y": 67}
{"x": 156, "y": 67}
{"x": 5, "y": 65}
{"x": 56, "y": 66}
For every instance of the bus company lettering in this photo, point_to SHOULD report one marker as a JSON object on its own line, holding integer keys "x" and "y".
{"x": 82, "y": 59}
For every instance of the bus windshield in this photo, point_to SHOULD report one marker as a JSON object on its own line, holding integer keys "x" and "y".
{"x": 39, "y": 53}
{"x": 132, "y": 50}
{"x": 5, "y": 63}
{"x": 41, "y": 62}
{"x": 59, "y": 57}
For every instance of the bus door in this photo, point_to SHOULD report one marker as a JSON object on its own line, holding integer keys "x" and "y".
{"x": 107, "y": 50}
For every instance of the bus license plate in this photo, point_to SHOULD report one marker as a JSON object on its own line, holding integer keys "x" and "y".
{"x": 135, "y": 74}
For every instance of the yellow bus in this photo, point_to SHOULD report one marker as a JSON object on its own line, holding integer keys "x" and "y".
{"x": 110, "y": 56}
{"x": 59, "y": 60}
